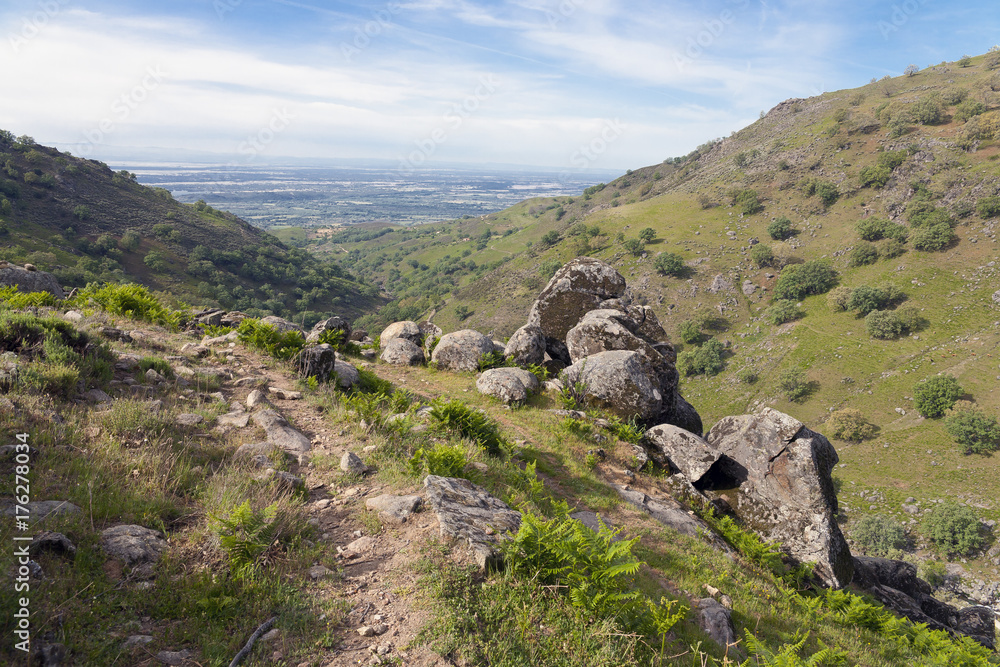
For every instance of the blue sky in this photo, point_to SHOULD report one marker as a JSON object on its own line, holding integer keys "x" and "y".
{"x": 603, "y": 84}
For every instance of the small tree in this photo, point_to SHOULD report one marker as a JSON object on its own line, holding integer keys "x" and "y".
{"x": 800, "y": 280}
{"x": 975, "y": 431}
{"x": 780, "y": 229}
{"x": 690, "y": 331}
{"x": 884, "y": 324}
{"x": 934, "y": 396}
{"x": 911, "y": 70}
{"x": 953, "y": 528}
{"x": 82, "y": 211}
{"x": 933, "y": 237}
{"x": 634, "y": 246}
{"x": 155, "y": 260}
{"x": 462, "y": 312}
{"x": 762, "y": 255}
{"x": 647, "y": 235}
{"x": 864, "y": 253}
{"x": 550, "y": 238}
{"x": 783, "y": 310}
{"x": 964, "y": 61}
{"x": 878, "y": 535}
{"x": 968, "y": 109}
{"x": 792, "y": 383}
{"x": 849, "y": 424}
{"x": 670, "y": 264}
{"x": 706, "y": 359}
{"x": 839, "y": 298}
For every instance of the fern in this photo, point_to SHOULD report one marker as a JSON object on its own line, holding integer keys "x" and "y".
{"x": 245, "y": 536}
{"x": 267, "y": 338}
{"x": 443, "y": 460}
{"x": 456, "y": 416}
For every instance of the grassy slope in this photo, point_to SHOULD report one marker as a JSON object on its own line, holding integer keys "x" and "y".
{"x": 796, "y": 140}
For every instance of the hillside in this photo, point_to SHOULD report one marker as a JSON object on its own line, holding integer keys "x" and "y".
{"x": 85, "y": 223}
{"x": 918, "y": 151}
{"x": 189, "y": 494}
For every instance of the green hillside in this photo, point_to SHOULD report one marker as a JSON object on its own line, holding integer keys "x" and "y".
{"x": 85, "y": 223}
{"x": 918, "y": 152}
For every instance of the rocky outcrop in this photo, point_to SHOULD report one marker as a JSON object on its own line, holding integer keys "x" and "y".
{"x": 780, "y": 471}
{"x": 468, "y": 513}
{"x": 461, "y": 350}
{"x": 672, "y": 514}
{"x": 330, "y": 324}
{"x": 402, "y": 352}
{"x": 578, "y": 287}
{"x": 526, "y": 346}
{"x": 510, "y": 385}
{"x": 405, "y": 329}
{"x": 281, "y": 324}
{"x": 673, "y": 447}
{"x": 133, "y": 545}
{"x": 30, "y": 281}
{"x": 621, "y": 382}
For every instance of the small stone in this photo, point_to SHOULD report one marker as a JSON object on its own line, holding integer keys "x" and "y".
{"x": 271, "y": 635}
{"x": 137, "y": 640}
{"x": 176, "y": 658}
{"x": 361, "y": 545}
{"x": 73, "y": 315}
{"x": 352, "y": 463}
{"x": 285, "y": 394}
{"x": 189, "y": 419}
{"x": 319, "y": 572}
{"x": 373, "y": 630}
{"x": 98, "y": 396}
{"x": 255, "y": 398}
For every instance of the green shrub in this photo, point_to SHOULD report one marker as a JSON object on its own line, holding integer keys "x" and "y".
{"x": 443, "y": 460}
{"x": 780, "y": 229}
{"x": 782, "y": 311}
{"x": 934, "y": 237}
{"x": 849, "y": 424}
{"x": 792, "y": 383}
{"x": 269, "y": 339}
{"x": 747, "y": 201}
{"x": 132, "y": 301}
{"x": 706, "y": 359}
{"x": 627, "y": 430}
{"x": 953, "y": 528}
{"x": 933, "y": 572}
{"x": 670, "y": 264}
{"x": 839, "y": 298}
{"x": 874, "y": 229}
{"x": 928, "y": 110}
{"x": 647, "y": 235}
{"x": 863, "y": 254}
{"x": 495, "y": 359}
{"x": 11, "y": 297}
{"x": 988, "y": 207}
{"x": 968, "y": 109}
{"x": 892, "y": 248}
{"x": 884, "y": 325}
{"x": 800, "y": 280}
{"x": 827, "y": 193}
{"x": 976, "y": 432}
{"x": 690, "y": 331}
{"x": 934, "y": 396}
{"x": 245, "y": 536}
{"x": 635, "y": 246}
{"x": 469, "y": 423}
{"x": 762, "y": 255}
{"x": 879, "y": 535}
{"x": 865, "y": 299}
{"x": 53, "y": 379}
{"x": 129, "y": 417}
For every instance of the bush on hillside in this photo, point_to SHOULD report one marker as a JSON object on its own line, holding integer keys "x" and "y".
{"x": 849, "y": 424}
{"x": 968, "y": 109}
{"x": 762, "y": 255}
{"x": 975, "y": 431}
{"x": 747, "y": 201}
{"x": 863, "y": 254}
{"x": 928, "y": 110}
{"x": 839, "y": 298}
{"x": 934, "y": 237}
{"x": 780, "y": 229}
{"x": 706, "y": 359}
{"x": 884, "y": 325}
{"x": 934, "y": 396}
{"x": 647, "y": 235}
{"x": 783, "y": 310}
{"x": 670, "y": 264}
{"x": 865, "y": 299}
{"x": 953, "y": 528}
{"x": 988, "y": 207}
{"x": 792, "y": 383}
{"x": 801, "y": 280}
{"x": 879, "y": 536}
{"x": 875, "y": 229}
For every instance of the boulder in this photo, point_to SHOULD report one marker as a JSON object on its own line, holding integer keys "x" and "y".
{"x": 320, "y": 361}
{"x": 621, "y": 382}
{"x": 467, "y": 512}
{"x": 402, "y": 352}
{"x": 52, "y": 542}
{"x": 30, "y": 281}
{"x": 133, "y": 545}
{"x": 682, "y": 450}
{"x": 461, "y": 350}
{"x": 580, "y": 286}
{"x": 715, "y": 621}
{"x": 785, "y": 491}
{"x": 896, "y": 574}
{"x": 672, "y": 514}
{"x": 394, "y": 508}
{"x": 510, "y": 385}
{"x": 526, "y": 346}
{"x": 405, "y": 329}
{"x": 39, "y": 509}
{"x": 430, "y": 333}
{"x": 280, "y": 433}
{"x": 978, "y": 623}
{"x": 602, "y": 331}
{"x": 330, "y": 324}
{"x": 281, "y": 324}
{"x": 352, "y": 463}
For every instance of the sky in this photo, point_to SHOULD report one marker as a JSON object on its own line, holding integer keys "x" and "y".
{"x": 561, "y": 84}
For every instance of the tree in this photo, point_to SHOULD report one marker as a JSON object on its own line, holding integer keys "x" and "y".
{"x": 82, "y": 211}
{"x": 975, "y": 431}
{"x": 780, "y": 229}
{"x": 647, "y": 235}
{"x": 800, "y": 280}
{"x": 634, "y": 246}
{"x": 762, "y": 255}
{"x": 953, "y": 528}
{"x": 748, "y": 201}
{"x": 130, "y": 240}
{"x": 155, "y": 260}
{"x": 706, "y": 359}
{"x": 935, "y": 395}
{"x": 550, "y": 238}
{"x": 934, "y": 237}
{"x": 865, "y": 299}
{"x": 883, "y": 324}
{"x": 964, "y": 61}
{"x": 849, "y": 424}
{"x": 911, "y": 70}
{"x": 690, "y": 331}
{"x": 792, "y": 383}
{"x": 863, "y": 254}
{"x": 879, "y": 536}
{"x": 839, "y": 298}
{"x": 670, "y": 264}
{"x": 782, "y": 311}
{"x": 968, "y": 109}
{"x": 462, "y": 312}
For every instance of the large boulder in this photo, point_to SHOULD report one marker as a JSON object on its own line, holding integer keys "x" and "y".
{"x": 785, "y": 491}
{"x": 680, "y": 449}
{"x": 29, "y": 280}
{"x": 510, "y": 385}
{"x": 619, "y": 381}
{"x": 405, "y": 329}
{"x": 316, "y": 361}
{"x": 461, "y": 350}
{"x": 402, "y": 352}
{"x": 603, "y": 330}
{"x": 467, "y": 512}
{"x": 526, "y": 346}
{"x": 580, "y": 286}
{"x": 330, "y": 324}
{"x": 280, "y": 433}
{"x": 281, "y": 324}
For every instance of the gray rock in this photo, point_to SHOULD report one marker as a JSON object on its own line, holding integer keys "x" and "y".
{"x": 715, "y": 621}
{"x": 978, "y": 623}
{"x": 996, "y": 297}
{"x": 39, "y": 509}
{"x": 98, "y": 396}
{"x": 73, "y": 315}
{"x": 526, "y": 346}
{"x": 319, "y": 572}
{"x": 672, "y": 514}
{"x": 749, "y": 288}
{"x": 153, "y": 377}
{"x": 461, "y": 350}
{"x": 576, "y": 288}
{"x": 330, "y": 324}
{"x": 361, "y": 545}
{"x": 286, "y": 480}
{"x": 893, "y": 573}
{"x": 220, "y": 341}
{"x": 285, "y": 394}
{"x": 621, "y": 382}
{"x": 195, "y": 350}
{"x": 352, "y": 463}
{"x": 237, "y": 419}
{"x": 720, "y": 284}
{"x": 252, "y": 450}
{"x": 133, "y": 545}
{"x": 257, "y": 398}
{"x": 189, "y": 419}
{"x": 394, "y": 508}
{"x": 785, "y": 489}
{"x": 468, "y": 513}
{"x": 30, "y": 281}
{"x": 683, "y": 450}
{"x": 602, "y": 331}
{"x": 406, "y": 329}
{"x": 211, "y": 317}
{"x": 510, "y": 385}
{"x": 174, "y": 658}
{"x": 402, "y": 352}
{"x": 316, "y": 361}
{"x": 281, "y": 324}
{"x": 52, "y": 542}
{"x": 137, "y": 640}
{"x": 280, "y": 433}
